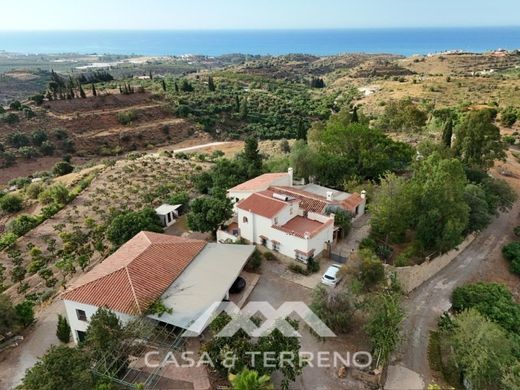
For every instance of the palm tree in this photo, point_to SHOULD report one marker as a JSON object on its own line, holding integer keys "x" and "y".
{"x": 250, "y": 380}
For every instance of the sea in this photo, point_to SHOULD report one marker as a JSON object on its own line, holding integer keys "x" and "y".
{"x": 405, "y": 41}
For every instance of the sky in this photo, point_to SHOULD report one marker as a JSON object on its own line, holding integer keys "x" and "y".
{"x": 253, "y": 14}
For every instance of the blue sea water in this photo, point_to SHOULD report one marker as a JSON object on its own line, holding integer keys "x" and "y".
{"x": 320, "y": 42}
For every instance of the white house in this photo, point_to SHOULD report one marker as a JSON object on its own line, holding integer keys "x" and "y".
{"x": 168, "y": 213}
{"x": 187, "y": 276}
{"x": 292, "y": 218}
{"x": 260, "y": 183}
{"x": 278, "y": 222}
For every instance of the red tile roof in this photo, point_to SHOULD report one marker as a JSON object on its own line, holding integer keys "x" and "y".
{"x": 309, "y": 201}
{"x": 301, "y": 226}
{"x": 262, "y": 203}
{"x": 352, "y": 202}
{"x": 137, "y": 274}
{"x": 259, "y": 183}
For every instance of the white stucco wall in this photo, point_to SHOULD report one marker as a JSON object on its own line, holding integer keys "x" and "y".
{"x": 237, "y": 196}
{"x": 257, "y": 226}
{"x": 78, "y": 325}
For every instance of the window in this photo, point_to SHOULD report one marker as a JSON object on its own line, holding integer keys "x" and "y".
{"x": 301, "y": 257}
{"x": 276, "y": 220}
{"x": 169, "y": 217}
{"x": 245, "y": 220}
{"x": 82, "y": 316}
{"x": 276, "y": 246}
{"x": 81, "y": 335}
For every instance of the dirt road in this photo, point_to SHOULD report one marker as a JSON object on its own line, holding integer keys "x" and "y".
{"x": 40, "y": 338}
{"x": 411, "y": 370}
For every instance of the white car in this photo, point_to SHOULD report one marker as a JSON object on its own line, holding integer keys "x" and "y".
{"x": 330, "y": 277}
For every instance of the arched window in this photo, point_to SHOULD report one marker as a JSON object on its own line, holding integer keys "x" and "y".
{"x": 245, "y": 220}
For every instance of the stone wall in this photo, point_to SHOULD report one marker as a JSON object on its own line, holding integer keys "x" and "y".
{"x": 413, "y": 276}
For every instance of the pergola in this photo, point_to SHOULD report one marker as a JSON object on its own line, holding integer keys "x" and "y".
{"x": 146, "y": 335}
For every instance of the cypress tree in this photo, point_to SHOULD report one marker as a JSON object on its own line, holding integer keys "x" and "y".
{"x": 63, "y": 329}
{"x": 82, "y": 92}
{"x": 163, "y": 83}
{"x": 237, "y": 103}
{"x": 151, "y": 76}
{"x": 211, "y": 84}
{"x": 355, "y": 117}
{"x": 447, "y": 133}
{"x": 176, "y": 86}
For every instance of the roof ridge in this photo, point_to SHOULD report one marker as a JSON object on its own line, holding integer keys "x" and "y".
{"x": 269, "y": 197}
{"x": 299, "y": 191}
{"x": 133, "y": 291}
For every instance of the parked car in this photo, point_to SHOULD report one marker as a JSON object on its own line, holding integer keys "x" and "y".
{"x": 238, "y": 285}
{"x": 330, "y": 277}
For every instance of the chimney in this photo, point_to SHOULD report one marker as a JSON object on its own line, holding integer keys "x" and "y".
{"x": 330, "y": 196}
{"x": 363, "y": 194}
{"x": 290, "y": 171}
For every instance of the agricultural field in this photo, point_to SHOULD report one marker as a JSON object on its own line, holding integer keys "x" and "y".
{"x": 73, "y": 240}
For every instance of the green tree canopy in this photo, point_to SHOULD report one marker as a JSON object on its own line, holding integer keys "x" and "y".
{"x": 402, "y": 115}
{"x": 492, "y": 300}
{"x": 209, "y": 212}
{"x": 127, "y": 224}
{"x": 482, "y": 349}
{"x": 478, "y": 143}
{"x": 60, "y": 368}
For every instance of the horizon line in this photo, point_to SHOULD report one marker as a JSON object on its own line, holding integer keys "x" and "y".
{"x": 231, "y": 29}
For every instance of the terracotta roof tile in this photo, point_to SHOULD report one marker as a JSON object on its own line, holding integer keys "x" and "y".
{"x": 352, "y": 202}
{"x": 301, "y": 226}
{"x": 136, "y": 274}
{"x": 262, "y": 204}
{"x": 308, "y": 202}
{"x": 259, "y": 183}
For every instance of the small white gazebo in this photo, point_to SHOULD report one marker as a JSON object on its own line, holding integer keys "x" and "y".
{"x": 168, "y": 213}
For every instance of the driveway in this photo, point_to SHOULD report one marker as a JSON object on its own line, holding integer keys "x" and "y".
{"x": 276, "y": 290}
{"x": 410, "y": 368}
{"x": 40, "y": 338}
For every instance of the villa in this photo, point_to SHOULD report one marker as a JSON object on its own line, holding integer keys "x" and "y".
{"x": 187, "y": 276}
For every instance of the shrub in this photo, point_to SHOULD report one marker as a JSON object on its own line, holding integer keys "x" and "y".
{"x": 372, "y": 270}
{"x": 10, "y": 118}
{"x": 298, "y": 269}
{"x": 11, "y": 203}
{"x": 62, "y": 168}
{"x": 28, "y": 152}
{"x": 7, "y": 240}
{"x": 126, "y": 117}
{"x": 57, "y": 193}
{"x": 38, "y": 137}
{"x": 270, "y": 256}
{"x": 18, "y": 139}
{"x": 512, "y": 253}
{"x": 23, "y": 224}
{"x": 313, "y": 266}
{"x": 335, "y": 307}
{"x": 516, "y": 230}
{"x": 25, "y": 312}
{"x": 254, "y": 262}
{"x": 47, "y": 148}
{"x": 34, "y": 189}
